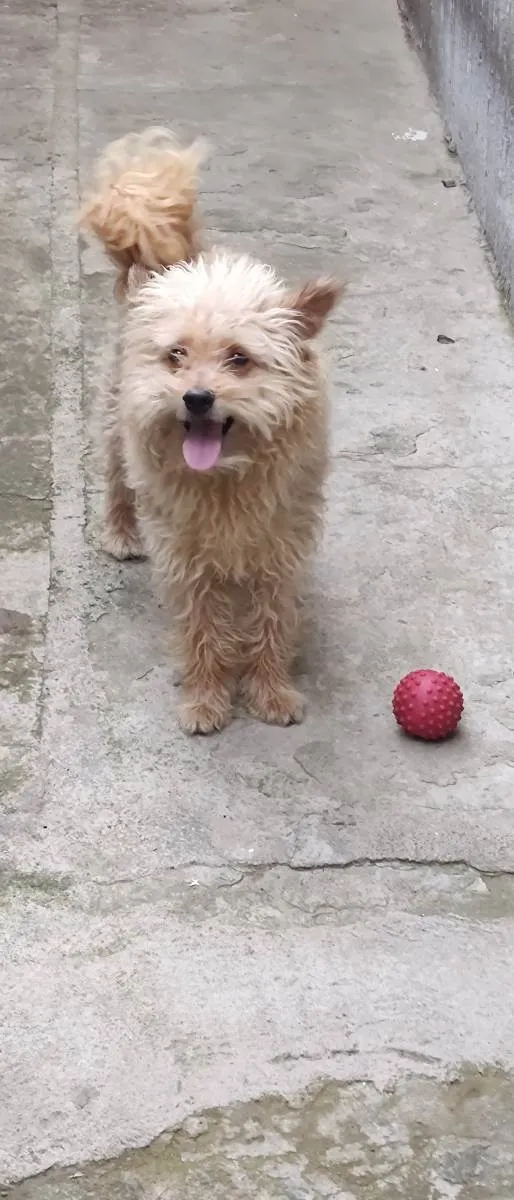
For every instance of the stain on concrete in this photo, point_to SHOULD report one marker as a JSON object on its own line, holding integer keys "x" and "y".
{"x": 12, "y": 778}
{"x": 24, "y": 522}
{"x": 14, "y": 622}
{"x": 39, "y": 885}
{"x": 422, "y": 1140}
{"x": 18, "y": 666}
{"x": 21, "y": 638}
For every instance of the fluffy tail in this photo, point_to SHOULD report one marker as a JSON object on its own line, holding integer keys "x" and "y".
{"x": 142, "y": 201}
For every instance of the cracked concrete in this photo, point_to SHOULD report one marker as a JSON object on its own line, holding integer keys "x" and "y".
{"x": 289, "y": 950}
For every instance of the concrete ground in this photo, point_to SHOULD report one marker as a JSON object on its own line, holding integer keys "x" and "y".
{"x": 277, "y": 963}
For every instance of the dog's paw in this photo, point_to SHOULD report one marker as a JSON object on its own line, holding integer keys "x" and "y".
{"x": 121, "y": 543}
{"x": 207, "y": 715}
{"x": 276, "y": 706}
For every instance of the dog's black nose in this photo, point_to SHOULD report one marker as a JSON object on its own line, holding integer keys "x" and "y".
{"x": 198, "y": 401}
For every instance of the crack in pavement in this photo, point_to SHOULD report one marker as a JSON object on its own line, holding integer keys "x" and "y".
{"x": 64, "y": 884}
{"x": 253, "y": 870}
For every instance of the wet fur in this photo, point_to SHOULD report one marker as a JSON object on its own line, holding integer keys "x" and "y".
{"x": 228, "y": 545}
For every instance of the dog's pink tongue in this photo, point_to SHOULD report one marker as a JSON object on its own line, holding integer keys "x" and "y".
{"x": 202, "y": 445}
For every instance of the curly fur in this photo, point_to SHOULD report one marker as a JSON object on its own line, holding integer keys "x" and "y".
{"x": 142, "y": 201}
{"x": 228, "y": 543}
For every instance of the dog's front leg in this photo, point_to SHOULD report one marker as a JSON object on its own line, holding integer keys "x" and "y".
{"x": 269, "y": 646}
{"x": 207, "y": 640}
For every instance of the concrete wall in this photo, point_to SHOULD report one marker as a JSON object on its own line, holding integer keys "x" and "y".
{"x": 469, "y": 49}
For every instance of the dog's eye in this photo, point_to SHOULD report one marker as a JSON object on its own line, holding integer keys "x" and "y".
{"x": 175, "y": 355}
{"x": 237, "y": 358}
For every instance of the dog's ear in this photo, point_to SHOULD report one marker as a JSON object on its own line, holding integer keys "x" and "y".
{"x": 137, "y": 275}
{"x": 312, "y": 304}
{"x": 130, "y": 279}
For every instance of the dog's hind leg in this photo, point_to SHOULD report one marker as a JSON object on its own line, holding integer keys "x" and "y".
{"x": 120, "y": 535}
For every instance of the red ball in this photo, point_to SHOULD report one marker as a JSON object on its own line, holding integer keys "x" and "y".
{"x": 428, "y": 704}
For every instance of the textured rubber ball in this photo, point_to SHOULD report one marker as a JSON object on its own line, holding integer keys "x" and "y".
{"x": 428, "y": 705}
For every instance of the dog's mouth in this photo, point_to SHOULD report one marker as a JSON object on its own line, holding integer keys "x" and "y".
{"x": 203, "y": 441}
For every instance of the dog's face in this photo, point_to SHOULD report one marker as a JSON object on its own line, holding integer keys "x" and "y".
{"x": 217, "y": 355}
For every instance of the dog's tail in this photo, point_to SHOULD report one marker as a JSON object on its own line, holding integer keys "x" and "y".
{"x": 142, "y": 201}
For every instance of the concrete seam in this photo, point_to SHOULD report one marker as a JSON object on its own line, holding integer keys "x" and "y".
{"x": 65, "y": 625}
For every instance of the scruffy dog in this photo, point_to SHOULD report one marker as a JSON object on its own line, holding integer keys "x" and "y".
{"x": 214, "y": 431}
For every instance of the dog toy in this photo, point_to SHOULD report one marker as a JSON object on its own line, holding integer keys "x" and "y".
{"x": 428, "y": 705}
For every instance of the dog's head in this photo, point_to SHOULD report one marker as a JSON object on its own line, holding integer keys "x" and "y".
{"x": 217, "y": 352}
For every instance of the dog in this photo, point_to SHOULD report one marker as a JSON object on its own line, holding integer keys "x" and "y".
{"x": 214, "y": 430}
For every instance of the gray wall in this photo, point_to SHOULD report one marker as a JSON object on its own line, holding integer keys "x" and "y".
{"x": 469, "y": 49}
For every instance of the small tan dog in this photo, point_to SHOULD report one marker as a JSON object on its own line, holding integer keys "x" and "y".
{"x": 214, "y": 431}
